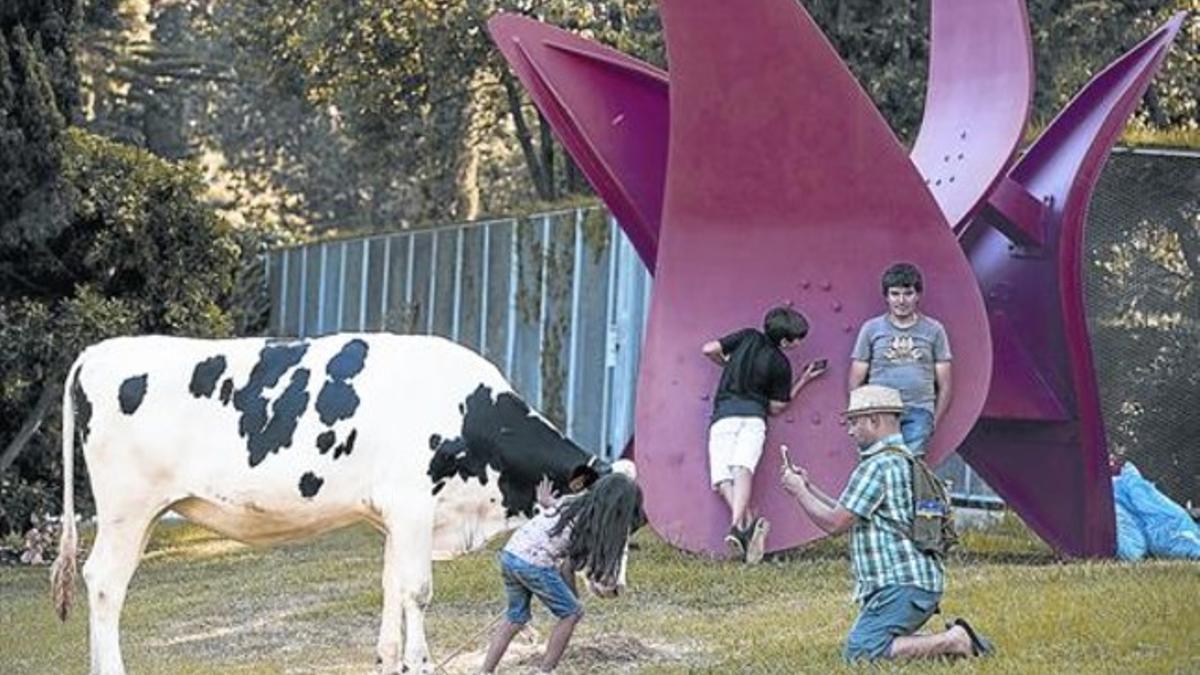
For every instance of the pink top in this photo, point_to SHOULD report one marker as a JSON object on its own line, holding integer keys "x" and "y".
{"x": 533, "y": 543}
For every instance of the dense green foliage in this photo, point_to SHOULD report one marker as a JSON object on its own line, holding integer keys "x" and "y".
{"x": 379, "y": 114}
{"x": 96, "y": 239}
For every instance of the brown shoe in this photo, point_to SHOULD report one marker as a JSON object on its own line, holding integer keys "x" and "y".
{"x": 758, "y": 538}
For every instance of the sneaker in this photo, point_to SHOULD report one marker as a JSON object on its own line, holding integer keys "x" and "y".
{"x": 736, "y": 543}
{"x": 757, "y": 540}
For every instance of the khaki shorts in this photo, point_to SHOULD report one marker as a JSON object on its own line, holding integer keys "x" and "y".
{"x": 734, "y": 442}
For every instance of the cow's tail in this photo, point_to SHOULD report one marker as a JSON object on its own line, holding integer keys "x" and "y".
{"x": 63, "y": 572}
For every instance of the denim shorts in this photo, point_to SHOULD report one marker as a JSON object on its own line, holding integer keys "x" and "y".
{"x": 888, "y": 613}
{"x": 523, "y": 580}
{"x": 916, "y": 425}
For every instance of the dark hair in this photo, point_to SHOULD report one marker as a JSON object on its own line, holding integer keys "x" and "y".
{"x": 601, "y": 522}
{"x": 784, "y": 323}
{"x": 902, "y": 275}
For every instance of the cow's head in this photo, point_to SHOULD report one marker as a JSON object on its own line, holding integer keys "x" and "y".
{"x": 503, "y": 434}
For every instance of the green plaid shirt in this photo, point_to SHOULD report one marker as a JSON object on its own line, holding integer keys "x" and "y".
{"x": 880, "y": 494}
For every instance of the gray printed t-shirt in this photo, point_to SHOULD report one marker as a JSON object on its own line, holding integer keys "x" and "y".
{"x": 903, "y": 358}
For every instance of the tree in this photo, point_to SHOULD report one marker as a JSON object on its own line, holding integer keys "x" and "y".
{"x": 141, "y": 253}
{"x": 98, "y": 239}
{"x": 35, "y": 106}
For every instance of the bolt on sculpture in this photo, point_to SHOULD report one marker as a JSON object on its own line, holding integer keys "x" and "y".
{"x": 759, "y": 172}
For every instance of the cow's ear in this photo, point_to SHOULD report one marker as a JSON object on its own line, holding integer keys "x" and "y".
{"x": 582, "y": 478}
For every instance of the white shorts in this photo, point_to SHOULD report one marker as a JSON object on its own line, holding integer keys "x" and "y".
{"x": 734, "y": 441}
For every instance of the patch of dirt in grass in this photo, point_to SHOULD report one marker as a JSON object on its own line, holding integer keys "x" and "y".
{"x": 264, "y": 631}
{"x": 613, "y": 653}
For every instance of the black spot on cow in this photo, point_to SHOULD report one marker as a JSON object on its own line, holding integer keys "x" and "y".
{"x": 503, "y": 434}
{"x": 81, "y": 408}
{"x": 226, "y": 391}
{"x": 337, "y": 400}
{"x": 131, "y": 394}
{"x": 347, "y": 445}
{"x": 266, "y": 434}
{"x": 205, "y": 376}
{"x": 310, "y": 485}
{"x": 325, "y": 441}
{"x": 434, "y": 441}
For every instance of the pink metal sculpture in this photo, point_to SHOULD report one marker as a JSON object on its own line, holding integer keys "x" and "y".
{"x": 784, "y": 184}
{"x": 810, "y": 212}
{"x": 1041, "y": 442}
{"x": 979, "y": 51}
{"x": 609, "y": 110}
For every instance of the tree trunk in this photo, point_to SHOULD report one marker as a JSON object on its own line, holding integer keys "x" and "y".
{"x": 575, "y": 181}
{"x": 525, "y": 138}
{"x": 547, "y": 147}
{"x": 32, "y": 423}
{"x": 1189, "y": 245}
{"x": 1154, "y": 106}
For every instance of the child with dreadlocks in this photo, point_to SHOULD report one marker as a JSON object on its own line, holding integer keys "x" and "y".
{"x": 585, "y": 533}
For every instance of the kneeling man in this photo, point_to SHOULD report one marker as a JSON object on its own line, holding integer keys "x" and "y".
{"x": 897, "y": 585}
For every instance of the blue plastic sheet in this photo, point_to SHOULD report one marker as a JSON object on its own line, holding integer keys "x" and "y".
{"x": 1149, "y": 523}
{"x": 1131, "y": 543}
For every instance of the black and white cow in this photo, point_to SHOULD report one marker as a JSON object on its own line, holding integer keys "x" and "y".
{"x": 267, "y": 441}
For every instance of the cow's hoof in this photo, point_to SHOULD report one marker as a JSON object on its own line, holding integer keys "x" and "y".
{"x": 424, "y": 668}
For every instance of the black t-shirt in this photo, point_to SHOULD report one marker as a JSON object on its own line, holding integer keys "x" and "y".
{"x": 756, "y": 372}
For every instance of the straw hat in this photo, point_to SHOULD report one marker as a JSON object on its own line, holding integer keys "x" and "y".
{"x": 874, "y": 398}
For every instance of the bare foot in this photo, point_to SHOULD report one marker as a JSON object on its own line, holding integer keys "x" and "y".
{"x": 961, "y": 641}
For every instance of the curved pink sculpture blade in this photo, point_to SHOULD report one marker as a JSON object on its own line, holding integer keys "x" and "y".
{"x": 1046, "y": 454}
{"x": 977, "y": 102}
{"x": 783, "y": 183}
{"x": 609, "y": 110}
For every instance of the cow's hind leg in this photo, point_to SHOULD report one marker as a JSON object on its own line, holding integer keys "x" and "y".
{"x": 407, "y": 589}
{"x": 121, "y": 533}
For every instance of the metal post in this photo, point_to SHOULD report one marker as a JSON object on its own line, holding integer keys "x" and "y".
{"x": 610, "y": 342}
{"x": 573, "y": 349}
{"x": 433, "y": 270}
{"x": 303, "y": 291}
{"x": 542, "y": 310}
{"x": 458, "y": 271}
{"x": 387, "y": 278}
{"x": 483, "y": 292}
{"x": 321, "y": 292}
{"x": 513, "y": 289}
{"x": 283, "y": 289}
{"x": 364, "y": 277}
{"x": 408, "y": 273}
{"x": 341, "y": 289}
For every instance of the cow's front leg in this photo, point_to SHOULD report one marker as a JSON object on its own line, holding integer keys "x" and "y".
{"x": 416, "y": 591}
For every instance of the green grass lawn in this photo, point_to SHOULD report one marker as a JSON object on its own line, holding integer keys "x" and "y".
{"x": 201, "y": 604}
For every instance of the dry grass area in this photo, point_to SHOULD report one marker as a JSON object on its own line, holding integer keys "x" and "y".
{"x": 201, "y": 604}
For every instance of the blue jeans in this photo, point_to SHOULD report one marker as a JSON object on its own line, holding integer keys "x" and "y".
{"x": 888, "y": 613}
{"x": 523, "y": 580}
{"x": 916, "y": 425}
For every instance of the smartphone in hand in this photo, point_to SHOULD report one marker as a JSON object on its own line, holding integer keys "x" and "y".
{"x": 787, "y": 462}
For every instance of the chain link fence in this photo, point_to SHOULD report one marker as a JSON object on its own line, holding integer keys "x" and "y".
{"x": 1143, "y": 240}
